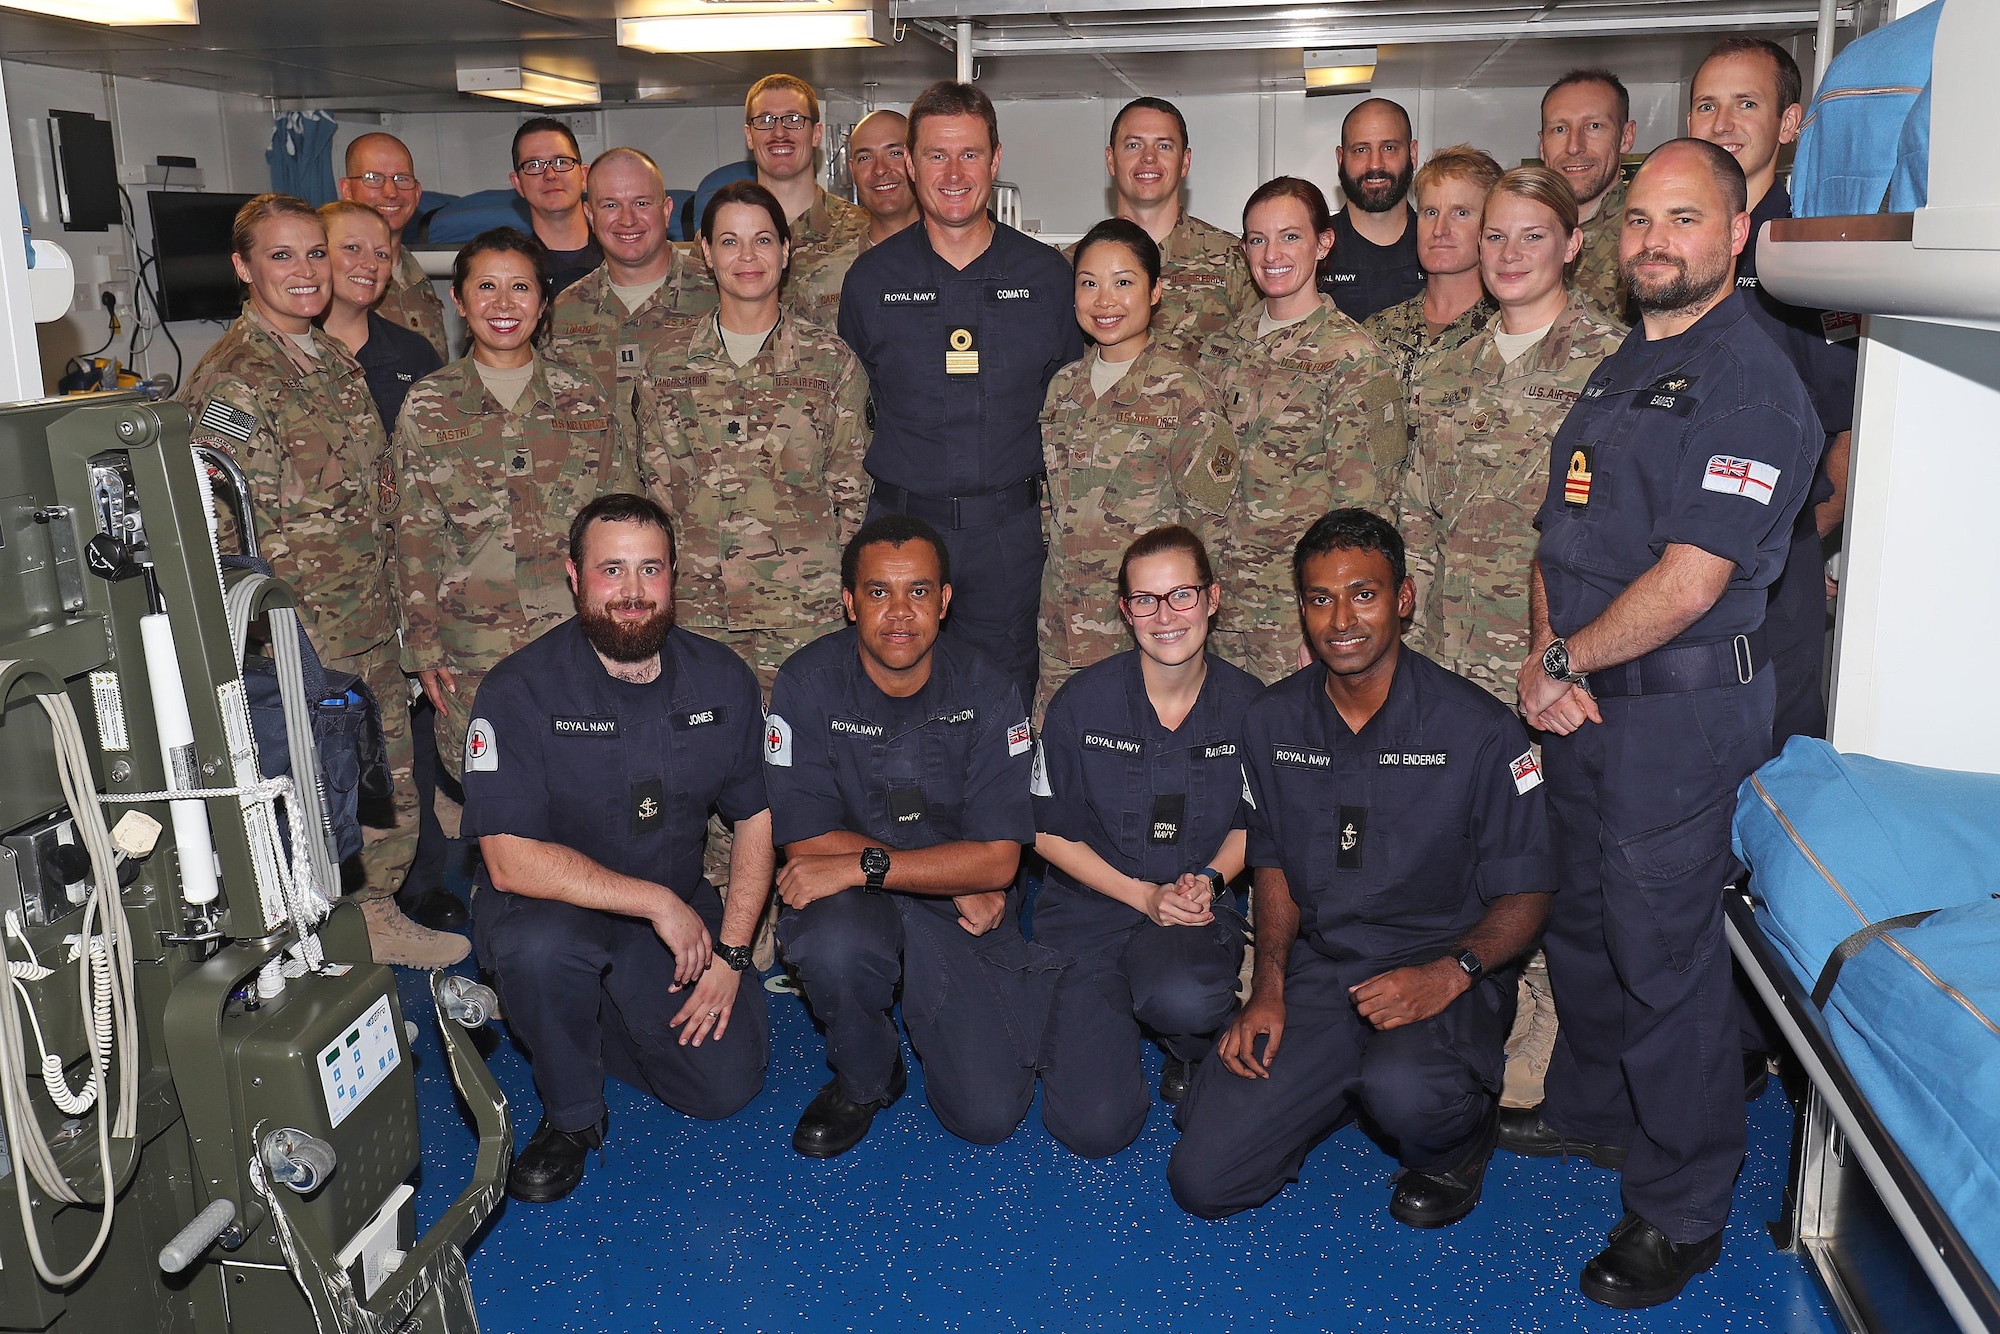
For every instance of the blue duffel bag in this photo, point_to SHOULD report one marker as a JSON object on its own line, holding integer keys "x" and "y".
{"x": 1876, "y": 883}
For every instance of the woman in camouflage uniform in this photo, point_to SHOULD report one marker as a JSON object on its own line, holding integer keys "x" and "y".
{"x": 1134, "y": 440}
{"x": 496, "y": 452}
{"x": 752, "y": 426}
{"x": 292, "y": 407}
{"x": 1317, "y": 408}
{"x": 1485, "y": 413}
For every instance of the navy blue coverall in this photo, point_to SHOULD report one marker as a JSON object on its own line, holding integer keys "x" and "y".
{"x": 562, "y": 752}
{"x": 948, "y": 764}
{"x": 1155, "y": 804}
{"x": 1706, "y": 439}
{"x": 959, "y": 362}
{"x": 1823, "y": 347}
{"x": 1393, "y": 842}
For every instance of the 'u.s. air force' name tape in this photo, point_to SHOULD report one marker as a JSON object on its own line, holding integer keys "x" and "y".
{"x": 232, "y": 421}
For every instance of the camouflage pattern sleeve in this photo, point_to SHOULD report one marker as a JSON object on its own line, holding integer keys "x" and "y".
{"x": 421, "y": 551}
{"x": 1206, "y": 456}
{"x": 1381, "y": 432}
{"x": 845, "y": 480}
{"x": 229, "y": 416}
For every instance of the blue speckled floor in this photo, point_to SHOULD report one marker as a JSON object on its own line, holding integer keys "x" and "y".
{"x": 690, "y": 1226}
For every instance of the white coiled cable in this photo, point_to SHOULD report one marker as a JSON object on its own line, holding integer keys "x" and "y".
{"x": 104, "y": 993}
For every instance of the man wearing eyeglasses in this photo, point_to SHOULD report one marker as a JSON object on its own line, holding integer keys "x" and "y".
{"x": 782, "y": 129}
{"x": 548, "y": 173}
{"x": 381, "y": 175}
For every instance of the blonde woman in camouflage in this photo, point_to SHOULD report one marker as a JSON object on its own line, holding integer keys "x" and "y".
{"x": 1484, "y": 414}
{"x": 292, "y": 407}
{"x": 1318, "y": 413}
{"x": 752, "y": 425}
{"x": 1133, "y": 439}
{"x": 496, "y": 452}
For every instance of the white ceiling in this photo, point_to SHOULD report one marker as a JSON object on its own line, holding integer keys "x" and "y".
{"x": 395, "y": 55}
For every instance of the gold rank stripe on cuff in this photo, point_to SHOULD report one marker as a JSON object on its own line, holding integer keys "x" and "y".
{"x": 232, "y": 421}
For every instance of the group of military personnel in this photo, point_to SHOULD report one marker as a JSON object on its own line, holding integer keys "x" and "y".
{"x": 819, "y": 540}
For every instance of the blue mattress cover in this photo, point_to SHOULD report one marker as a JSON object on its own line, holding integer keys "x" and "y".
{"x": 1836, "y": 842}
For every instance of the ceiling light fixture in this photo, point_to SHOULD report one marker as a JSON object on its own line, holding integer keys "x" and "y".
{"x": 673, "y": 27}
{"x": 513, "y": 83}
{"x": 1344, "y": 71}
{"x": 112, "y": 13}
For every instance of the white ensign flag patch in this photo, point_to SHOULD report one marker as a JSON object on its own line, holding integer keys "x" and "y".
{"x": 482, "y": 753}
{"x": 1741, "y": 477}
{"x": 1527, "y": 772}
{"x": 777, "y": 741}
{"x": 1019, "y": 738}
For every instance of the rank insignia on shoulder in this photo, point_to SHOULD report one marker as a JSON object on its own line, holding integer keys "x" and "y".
{"x": 1576, "y": 481}
{"x": 961, "y": 351}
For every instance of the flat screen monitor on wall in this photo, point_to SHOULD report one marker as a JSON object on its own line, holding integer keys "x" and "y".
{"x": 191, "y": 242}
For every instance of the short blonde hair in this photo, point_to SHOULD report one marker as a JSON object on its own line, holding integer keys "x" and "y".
{"x": 772, "y": 83}
{"x": 1460, "y": 162}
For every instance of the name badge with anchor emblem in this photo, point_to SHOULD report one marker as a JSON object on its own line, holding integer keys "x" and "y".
{"x": 649, "y": 806}
{"x": 1670, "y": 393}
{"x": 1353, "y": 829}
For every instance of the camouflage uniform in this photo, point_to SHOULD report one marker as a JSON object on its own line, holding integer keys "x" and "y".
{"x": 1478, "y": 469}
{"x": 1157, "y": 449}
{"x": 1477, "y": 474}
{"x": 488, "y": 496}
{"x": 590, "y": 327}
{"x": 322, "y": 489}
{"x": 815, "y": 291}
{"x": 761, "y": 468}
{"x": 412, "y": 302}
{"x": 1597, "y": 275}
{"x": 822, "y": 238}
{"x": 1319, "y": 413}
{"x": 1204, "y": 284}
{"x": 1406, "y": 338}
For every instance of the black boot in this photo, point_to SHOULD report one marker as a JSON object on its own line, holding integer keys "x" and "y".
{"x": 1439, "y": 1199}
{"x": 438, "y": 909}
{"x": 552, "y": 1164}
{"x": 833, "y": 1124}
{"x": 1175, "y": 1076}
{"x": 1523, "y": 1131}
{"x": 1642, "y": 1268}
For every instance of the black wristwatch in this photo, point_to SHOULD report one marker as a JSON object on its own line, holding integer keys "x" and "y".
{"x": 1214, "y": 878}
{"x": 736, "y": 956}
{"x": 874, "y": 867}
{"x": 1555, "y": 662}
{"x": 1469, "y": 964}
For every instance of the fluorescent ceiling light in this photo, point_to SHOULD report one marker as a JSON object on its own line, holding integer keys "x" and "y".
{"x": 671, "y": 27}
{"x": 112, "y": 12}
{"x": 512, "y": 83}
{"x": 1339, "y": 71}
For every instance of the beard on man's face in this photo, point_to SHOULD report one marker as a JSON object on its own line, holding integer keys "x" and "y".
{"x": 1685, "y": 289}
{"x": 625, "y": 641}
{"x": 1376, "y": 190}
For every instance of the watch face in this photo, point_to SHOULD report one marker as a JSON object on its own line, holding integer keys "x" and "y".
{"x": 1555, "y": 660}
{"x": 874, "y": 861}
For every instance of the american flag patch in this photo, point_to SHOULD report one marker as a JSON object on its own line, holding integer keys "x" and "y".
{"x": 1527, "y": 772}
{"x": 233, "y": 422}
{"x": 1019, "y": 738}
{"x": 1740, "y": 477}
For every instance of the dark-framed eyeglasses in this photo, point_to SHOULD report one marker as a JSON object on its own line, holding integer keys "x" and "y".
{"x": 1183, "y": 598}
{"x": 375, "y": 180}
{"x": 791, "y": 120}
{"x": 535, "y": 166}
